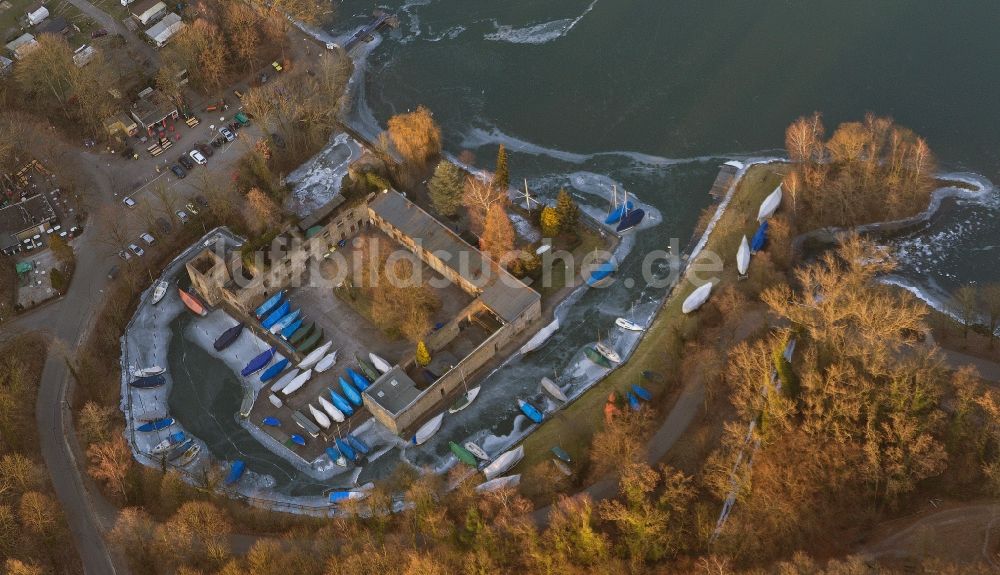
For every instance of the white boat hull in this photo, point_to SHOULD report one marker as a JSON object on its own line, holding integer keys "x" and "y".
{"x": 314, "y": 356}
{"x": 379, "y": 363}
{"x": 628, "y": 325}
{"x": 607, "y": 351}
{"x": 541, "y": 337}
{"x": 331, "y": 409}
{"x": 550, "y": 386}
{"x": 428, "y": 429}
{"x": 470, "y": 396}
{"x": 298, "y": 382}
{"x": 770, "y": 204}
{"x": 275, "y": 400}
{"x": 327, "y": 362}
{"x": 499, "y": 483}
{"x": 743, "y": 257}
{"x": 319, "y": 417}
{"x": 697, "y": 298}
{"x": 474, "y": 449}
{"x": 284, "y": 381}
{"x": 159, "y": 291}
{"x": 504, "y": 462}
{"x": 155, "y": 370}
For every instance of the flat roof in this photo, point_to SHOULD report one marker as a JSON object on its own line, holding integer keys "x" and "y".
{"x": 152, "y": 108}
{"x": 140, "y": 7}
{"x": 165, "y": 26}
{"x": 394, "y": 391}
{"x": 18, "y": 217}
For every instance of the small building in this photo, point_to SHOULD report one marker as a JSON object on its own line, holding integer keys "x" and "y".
{"x": 22, "y": 45}
{"x": 22, "y": 221}
{"x": 58, "y": 26}
{"x": 162, "y": 31}
{"x": 121, "y": 123}
{"x": 83, "y": 55}
{"x": 6, "y": 64}
{"x": 146, "y": 11}
{"x": 153, "y": 110}
{"x": 36, "y": 14}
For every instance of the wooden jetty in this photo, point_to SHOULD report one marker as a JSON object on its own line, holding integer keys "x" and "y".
{"x": 727, "y": 174}
{"x": 381, "y": 19}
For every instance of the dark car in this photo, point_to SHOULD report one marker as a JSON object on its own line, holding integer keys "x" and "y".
{"x": 206, "y": 151}
{"x": 201, "y": 201}
{"x": 179, "y": 171}
{"x": 99, "y": 33}
{"x": 186, "y": 162}
{"x": 163, "y": 224}
{"x": 278, "y": 140}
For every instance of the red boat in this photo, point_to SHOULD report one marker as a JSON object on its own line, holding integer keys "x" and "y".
{"x": 192, "y": 302}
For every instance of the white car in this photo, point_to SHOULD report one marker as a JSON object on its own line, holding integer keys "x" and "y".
{"x": 182, "y": 216}
{"x": 148, "y": 238}
{"x": 122, "y": 254}
{"x": 128, "y": 202}
{"x": 198, "y": 158}
{"x": 136, "y": 249}
{"x": 227, "y": 134}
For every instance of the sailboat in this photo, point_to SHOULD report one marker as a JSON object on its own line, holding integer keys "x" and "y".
{"x": 607, "y": 350}
{"x": 697, "y": 298}
{"x": 770, "y": 204}
{"x": 149, "y": 371}
{"x": 627, "y": 324}
{"x": 553, "y": 390}
{"x": 327, "y": 362}
{"x": 509, "y": 481}
{"x": 379, "y": 363}
{"x": 192, "y": 303}
{"x": 159, "y": 291}
{"x": 617, "y": 211}
{"x": 268, "y": 305}
{"x": 504, "y": 462}
{"x": 428, "y": 429}
{"x": 743, "y": 257}
{"x": 631, "y": 218}
{"x": 331, "y": 409}
{"x": 474, "y": 449}
{"x": 466, "y": 399}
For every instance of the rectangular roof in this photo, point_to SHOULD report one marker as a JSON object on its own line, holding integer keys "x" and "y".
{"x": 165, "y": 26}
{"x": 18, "y": 217}
{"x": 140, "y": 7}
{"x": 394, "y": 391}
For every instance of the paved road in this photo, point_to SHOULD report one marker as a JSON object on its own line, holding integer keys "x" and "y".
{"x": 116, "y": 27}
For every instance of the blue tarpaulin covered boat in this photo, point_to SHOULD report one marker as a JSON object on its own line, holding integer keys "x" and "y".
{"x": 641, "y": 392}
{"x": 273, "y": 371}
{"x": 291, "y": 329}
{"x": 276, "y": 315}
{"x": 346, "y": 449}
{"x": 228, "y": 337}
{"x": 341, "y": 403}
{"x": 617, "y": 213}
{"x": 156, "y": 425}
{"x": 633, "y": 401}
{"x": 349, "y": 391}
{"x": 601, "y": 273}
{"x": 298, "y": 439}
{"x": 357, "y": 444}
{"x": 148, "y": 381}
{"x": 256, "y": 364}
{"x": 269, "y": 305}
{"x": 285, "y": 322}
{"x": 759, "y": 238}
{"x": 632, "y": 219}
{"x": 272, "y": 421}
{"x": 360, "y": 381}
{"x": 235, "y": 471}
{"x": 530, "y": 410}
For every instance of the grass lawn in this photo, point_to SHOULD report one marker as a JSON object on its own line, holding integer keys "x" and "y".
{"x": 573, "y": 426}
{"x": 10, "y": 18}
{"x": 590, "y": 240}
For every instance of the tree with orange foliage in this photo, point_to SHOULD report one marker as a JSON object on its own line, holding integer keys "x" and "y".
{"x": 110, "y": 462}
{"x": 261, "y": 211}
{"x": 498, "y": 234}
{"x": 479, "y": 196}
{"x": 416, "y": 136}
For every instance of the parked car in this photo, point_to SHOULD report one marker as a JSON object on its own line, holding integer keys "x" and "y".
{"x": 163, "y": 224}
{"x": 242, "y": 118}
{"x": 148, "y": 238}
{"x": 98, "y": 33}
{"x": 190, "y": 207}
{"x": 182, "y": 216}
{"x": 206, "y": 151}
{"x": 125, "y": 255}
{"x": 129, "y": 202}
{"x": 227, "y": 134}
{"x": 217, "y": 143}
{"x": 186, "y": 162}
{"x": 197, "y": 157}
{"x": 178, "y": 171}
{"x": 278, "y": 140}
{"x": 75, "y": 231}
{"x": 201, "y": 201}
{"x": 136, "y": 249}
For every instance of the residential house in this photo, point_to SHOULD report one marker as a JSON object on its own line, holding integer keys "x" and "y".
{"x": 146, "y": 11}
{"x": 163, "y": 30}
{"x": 22, "y": 45}
{"x": 153, "y": 111}
{"x": 36, "y": 14}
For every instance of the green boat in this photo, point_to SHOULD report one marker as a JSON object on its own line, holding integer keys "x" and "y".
{"x": 597, "y": 358}
{"x": 463, "y": 454}
{"x": 367, "y": 368}
{"x": 561, "y": 454}
{"x": 301, "y": 333}
{"x": 310, "y": 342}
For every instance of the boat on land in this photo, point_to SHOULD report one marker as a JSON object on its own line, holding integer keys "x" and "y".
{"x": 285, "y": 322}
{"x": 428, "y": 429}
{"x": 165, "y": 445}
{"x": 336, "y": 457}
{"x": 463, "y": 454}
{"x": 509, "y": 481}
{"x": 697, "y": 298}
{"x": 310, "y": 342}
{"x": 770, "y": 204}
{"x": 359, "y": 380}
{"x": 298, "y": 440}
{"x": 340, "y": 496}
{"x": 380, "y": 364}
{"x": 314, "y": 356}
{"x": 550, "y": 386}
{"x": 601, "y": 275}
{"x": 346, "y": 449}
{"x": 149, "y": 371}
{"x": 530, "y": 410}
{"x": 247, "y": 404}
{"x": 192, "y": 302}
{"x": 268, "y": 305}
{"x": 349, "y": 392}
{"x": 607, "y": 351}
{"x": 560, "y": 453}
{"x": 465, "y": 400}
{"x": 256, "y": 364}
{"x": 597, "y": 358}
{"x": 235, "y": 471}
{"x": 276, "y": 315}
{"x": 228, "y": 337}
{"x": 627, "y": 324}
{"x": 641, "y": 392}
{"x": 273, "y": 371}
{"x": 474, "y": 449}
{"x": 301, "y": 334}
{"x": 285, "y": 380}
{"x": 341, "y": 403}
{"x": 357, "y": 444}
{"x": 633, "y": 401}
{"x": 366, "y": 367}
{"x": 180, "y": 449}
{"x": 540, "y": 337}
{"x": 305, "y": 423}
{"x": 759, "y": 238}
{"x": 272, "y": 421}
{"x": 287, "y": 331}
{"x": 562, "y": 467}
{"x": 148, "y": 381}
{"x": 319, "y": 417}
{"x": 159, "y": 291}
{"x": 331, "y": 409}
{"x": 503, "y": 463}
{"x": 296, "y": 383}
{"x": 188, "y": 456}
{"x": 156, "y": 424}
{"x": 743, "y": 257}
{"x": 275, "y": 400}
{"x": 328, "y": 361}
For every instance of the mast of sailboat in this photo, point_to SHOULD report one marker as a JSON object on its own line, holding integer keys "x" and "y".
{"x": 614, "y": 199}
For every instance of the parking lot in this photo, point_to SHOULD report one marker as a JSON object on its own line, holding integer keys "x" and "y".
{"x": 35, "y": 286}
